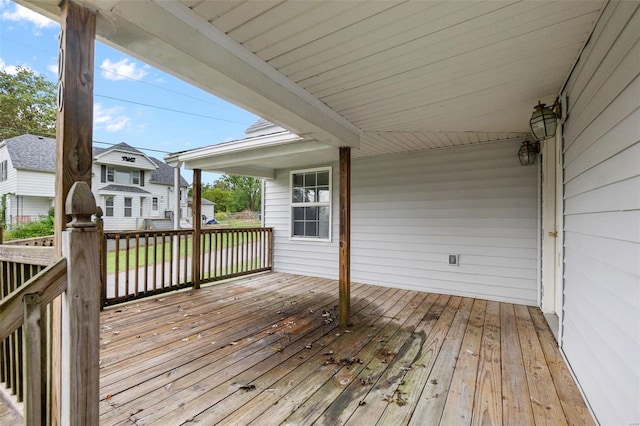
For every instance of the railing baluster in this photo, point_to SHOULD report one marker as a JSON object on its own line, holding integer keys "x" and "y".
{"x": 164, "y": 249}
{"x": 137, "y": 266}
{"x": 32, "y": 356}
{"x": 127, "y": 240}
{"x": 117, "y": 268}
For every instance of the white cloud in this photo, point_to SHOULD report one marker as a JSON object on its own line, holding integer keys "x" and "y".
{"x": 112, "y": 118}
{"x": 124, "y": 69}
{"x": 22, "y": 14}
{"x": 9, "y": 69}
{"x": 53, "y": 68}
{"x": 118, "y": 124}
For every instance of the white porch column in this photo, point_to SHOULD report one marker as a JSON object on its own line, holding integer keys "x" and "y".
{"x": 176, "y": 195}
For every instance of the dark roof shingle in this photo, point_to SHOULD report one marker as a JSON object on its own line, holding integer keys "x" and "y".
{"x": 39, "y": 153}
{"x": 124, "y": 188}
{"x": 32, "y": 152}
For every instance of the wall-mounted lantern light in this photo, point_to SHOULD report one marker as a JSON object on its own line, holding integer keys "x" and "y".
{"x": 543, "y": 121}
{"x": 528, "y": 152}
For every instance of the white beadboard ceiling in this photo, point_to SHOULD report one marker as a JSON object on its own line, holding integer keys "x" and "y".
{"x": 380, "y": 76}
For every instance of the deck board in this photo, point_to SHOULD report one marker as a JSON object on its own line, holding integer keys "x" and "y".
{"x": 260, "y": 350}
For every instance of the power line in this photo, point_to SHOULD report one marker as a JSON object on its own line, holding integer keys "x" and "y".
{"x": 131, "y": 79}
{"x": 94, "y": 141}
{"x": 168, "y": 109}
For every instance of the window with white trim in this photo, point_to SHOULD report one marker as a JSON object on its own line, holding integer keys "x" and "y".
{"x": 154, "y": 204}
{"x": 128, "y": 206}
{"x": 135, "y": 177}
{"x": 111, "y": 174}
{"x": 311, "y": 203}
{"x": 108, "y": 206}
{"x": 4, "y": 168}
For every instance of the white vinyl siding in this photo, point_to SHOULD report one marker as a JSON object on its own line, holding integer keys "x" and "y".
{"x": 318, "y": 258}
{"x": 115, "y": 158}
{"x": 410, "y": 211}
{"x": 34, "y": 183}
{"x": 601, "y": 312}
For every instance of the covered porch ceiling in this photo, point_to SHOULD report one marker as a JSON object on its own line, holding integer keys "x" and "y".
{"x": 378, "y": 76}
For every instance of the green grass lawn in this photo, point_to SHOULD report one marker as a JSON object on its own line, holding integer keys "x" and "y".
{"x": 146, "y": 255}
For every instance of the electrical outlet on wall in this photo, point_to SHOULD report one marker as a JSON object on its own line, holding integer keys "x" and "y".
{"x": 454, "y": 259}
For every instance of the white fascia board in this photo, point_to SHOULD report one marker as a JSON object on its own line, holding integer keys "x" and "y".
{"x": 240, "y": 145}
{"x": 257, "y": 172}
{"x": 199, "y": 53}
{"x": 252, "y": 155}
{"x": 325, "y": 118}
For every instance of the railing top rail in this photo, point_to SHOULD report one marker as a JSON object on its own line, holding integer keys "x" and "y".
{"x": 28, "y": 255}
{"x": 113, "y": 234}
{"x": 49, "y": 283}
{"x": 221, "y": 230}
{"x": 46, "y": 241}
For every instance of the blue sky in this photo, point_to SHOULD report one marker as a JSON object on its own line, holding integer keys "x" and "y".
{"x": 122, "y": 84}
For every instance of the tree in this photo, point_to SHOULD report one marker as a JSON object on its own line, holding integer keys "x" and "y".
{"x": 219, "y": 193}
{"x": 246, "y": 192}
{"x": 27, "y": 104}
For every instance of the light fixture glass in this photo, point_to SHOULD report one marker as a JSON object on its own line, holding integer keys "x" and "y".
{"x": 543, "y": 122}
{"x": 528, "y": 152}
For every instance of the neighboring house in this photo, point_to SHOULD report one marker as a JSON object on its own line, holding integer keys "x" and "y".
{"x": 207, "y": 209}
{"x": 130, "y": 187}
{"x": 27, "y": 178}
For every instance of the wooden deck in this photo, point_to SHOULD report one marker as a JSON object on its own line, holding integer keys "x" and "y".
{"x": 266, "y": 350}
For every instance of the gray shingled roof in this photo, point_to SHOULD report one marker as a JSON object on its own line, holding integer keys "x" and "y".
{"x": 164, "y": 174}
{"x": 39, "y": 153}
{"x": 32, "y": 152}
{"x": 124, "y": 188}
{"x": 259, "y": 125}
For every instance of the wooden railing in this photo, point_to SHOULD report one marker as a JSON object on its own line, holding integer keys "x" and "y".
{"x": 37, "y": 340}
{"x": 139, "y": 264}
{"x": 228, "y": 253}
{"x": 19, "y": 265}
{"x": 36, "y": 241}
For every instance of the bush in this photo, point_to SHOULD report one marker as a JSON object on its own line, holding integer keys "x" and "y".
{"x": 40, "y": 228}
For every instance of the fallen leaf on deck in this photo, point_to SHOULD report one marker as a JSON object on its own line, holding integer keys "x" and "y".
{"x": 308, "y": 346}
{"x": 116, "y": 333}
{"x": 328, "y": 353}
{"x": 247, "y": 387}
{"x": 168, "y": 386}
{"x": 361, "y": 403}
{"x": 108, "y": 396}
{"x": 434, "y": 382}
{"x": 186, "y": 339}
{"x": 270, "y": 390}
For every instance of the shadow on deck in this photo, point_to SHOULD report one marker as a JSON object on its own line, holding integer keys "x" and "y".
{"x": 267, "y": 350}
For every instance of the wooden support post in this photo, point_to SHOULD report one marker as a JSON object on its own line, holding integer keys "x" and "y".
{"x": 81, "y": 312}
{"x": 32, "y": 347}
{"x": 74, "y": 136}
{"x": 196, "y": 206}
{"x": 344, "y": 301}
{"x": 74, "y": 127}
